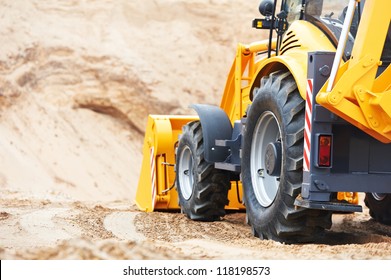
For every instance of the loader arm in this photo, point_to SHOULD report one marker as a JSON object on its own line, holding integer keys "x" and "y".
{"x": 359, "y": 95}
{"x": 236, "y": 96}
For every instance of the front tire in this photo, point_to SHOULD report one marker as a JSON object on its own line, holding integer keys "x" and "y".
{"x": 202, "y": 189}
{"x": 272, "y": 164}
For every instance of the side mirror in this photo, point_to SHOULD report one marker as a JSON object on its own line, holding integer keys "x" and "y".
{"x": 266, "y": 8}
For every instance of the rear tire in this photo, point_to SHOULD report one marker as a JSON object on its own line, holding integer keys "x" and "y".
{"x": 379, "y": 207}
{"x": 272, "y": 164}
{"x": 202, "y": 189}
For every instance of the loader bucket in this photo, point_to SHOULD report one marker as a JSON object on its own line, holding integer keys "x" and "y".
{"x": 157, "y": 174}
{"x": 155, "y": 189}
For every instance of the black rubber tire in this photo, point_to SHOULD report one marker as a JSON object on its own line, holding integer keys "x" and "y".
{"x": 379, "y": 208}
{"x": 281, "y": 220}
{"x": 206, "y": 193}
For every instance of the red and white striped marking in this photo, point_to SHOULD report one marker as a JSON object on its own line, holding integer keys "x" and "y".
{"x": 153, "y": 175}
{"x": 307, "y": 126}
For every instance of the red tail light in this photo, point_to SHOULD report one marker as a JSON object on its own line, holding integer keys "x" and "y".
{"x": 324, "y": 152}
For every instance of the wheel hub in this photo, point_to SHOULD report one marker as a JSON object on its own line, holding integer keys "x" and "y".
{"x": 273, "y": 159}
{"x": 265, "y": 158}
{"x": 185, "y": 173}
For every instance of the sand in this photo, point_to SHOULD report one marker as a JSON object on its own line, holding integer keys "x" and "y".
{"x": 77, "y": 81}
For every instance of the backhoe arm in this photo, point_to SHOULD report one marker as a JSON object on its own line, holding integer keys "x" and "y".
{"x": 359, "y": 95}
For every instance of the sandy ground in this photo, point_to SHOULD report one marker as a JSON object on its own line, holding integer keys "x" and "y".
{"x": 77, "y": 80}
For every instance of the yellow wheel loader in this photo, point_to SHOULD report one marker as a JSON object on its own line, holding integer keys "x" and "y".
{"x": 304, "y": 125}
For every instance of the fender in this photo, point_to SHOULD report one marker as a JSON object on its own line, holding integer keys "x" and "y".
{"x": 215, "y": 126}
{"x": 298, "y": 71}
{"x": 296, "y": 45}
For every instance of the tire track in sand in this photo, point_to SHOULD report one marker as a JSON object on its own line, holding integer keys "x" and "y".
{"x": 121, "y": 224}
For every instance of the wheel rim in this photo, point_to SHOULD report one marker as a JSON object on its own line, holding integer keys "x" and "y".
{"x": 265, "y": 186}
{"x": 185, "y": 173}
{"x": 379, "y": 196}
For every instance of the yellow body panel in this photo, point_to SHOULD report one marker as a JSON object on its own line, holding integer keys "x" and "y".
{"x": 350, "y": 197}
{"x": 358, "y": 96}
{"x": 309, "y": 38}
{"x": 248, "y": 67}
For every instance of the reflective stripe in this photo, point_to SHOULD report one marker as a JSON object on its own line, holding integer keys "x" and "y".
{"x": 307, "y": 126}
{"x": 153, "y": 176}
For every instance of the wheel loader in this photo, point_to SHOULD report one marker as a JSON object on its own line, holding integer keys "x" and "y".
{"x": 303, "y": 127}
